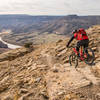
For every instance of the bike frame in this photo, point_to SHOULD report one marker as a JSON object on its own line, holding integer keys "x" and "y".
{"x": 85, "y": 54}
{"x": 80, "y": 52}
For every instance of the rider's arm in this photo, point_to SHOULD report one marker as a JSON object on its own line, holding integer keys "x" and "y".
{"x": 70, "y": 40}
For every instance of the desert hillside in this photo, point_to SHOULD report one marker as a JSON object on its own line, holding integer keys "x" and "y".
{"x": 43, "y": 73}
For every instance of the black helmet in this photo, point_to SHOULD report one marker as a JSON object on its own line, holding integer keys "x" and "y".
{"x": 75, "y": 31}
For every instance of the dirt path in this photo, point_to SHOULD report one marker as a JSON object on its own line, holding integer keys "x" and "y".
{"x": 62, "y": 79}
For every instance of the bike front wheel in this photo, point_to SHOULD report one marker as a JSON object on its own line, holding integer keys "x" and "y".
{"x": 73, "y": 60}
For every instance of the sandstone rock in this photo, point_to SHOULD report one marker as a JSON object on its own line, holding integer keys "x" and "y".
{"x": 8, "y": 97}
{"x": 33, "y": 66}
{"x": 89, "y": 75}
{"x": 62, "y": 52}
{"x": 94, "y": 48}
{"x": 71, "y": 96}
{"x": 12, "y": 54}
{"x": 97, "y": 96}
{"x": 44, "y": 95}
{"x": 96, "y": 68}
{"x": 38, "y": 79}
{"x": 56, "y": 67}
{"x": 61, "y": 49}
{"x": 55, "y": 70}
{"x": 30, "y": 63}
{"x": 23, "y": 90}
{"x": 4, "y": 87}
{"x": 68, "y": 81}
{"x": 4, "y": 80}
{"x": 57, "y": 47}
{"x": 23, "y": 97}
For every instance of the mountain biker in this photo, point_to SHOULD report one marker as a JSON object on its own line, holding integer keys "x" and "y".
{"x": 82, "y": 38}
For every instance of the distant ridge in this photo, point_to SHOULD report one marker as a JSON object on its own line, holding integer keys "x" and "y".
{"x": 20, "y": 23}
{"x": 29, "y": 28}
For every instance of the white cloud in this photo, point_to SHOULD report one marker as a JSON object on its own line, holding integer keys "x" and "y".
{"x": 50, "y": 7}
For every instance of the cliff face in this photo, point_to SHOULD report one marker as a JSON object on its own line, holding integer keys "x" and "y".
{"x": 45, "y": 74}
{"x": 3, "y": 47}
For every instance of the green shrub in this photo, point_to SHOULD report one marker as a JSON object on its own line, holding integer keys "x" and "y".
{"x": 28, "y": 45}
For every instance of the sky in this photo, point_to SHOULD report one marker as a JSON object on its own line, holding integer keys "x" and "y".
{"x": 50, "y": 7}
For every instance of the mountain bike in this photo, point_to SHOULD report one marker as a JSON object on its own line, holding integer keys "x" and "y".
{"x": 85, "y": 54}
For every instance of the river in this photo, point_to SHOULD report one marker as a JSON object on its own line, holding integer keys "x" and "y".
{"x": 11, "y": 46}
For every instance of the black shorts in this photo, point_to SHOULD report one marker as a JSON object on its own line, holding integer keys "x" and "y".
{"x": 83, "y": 43}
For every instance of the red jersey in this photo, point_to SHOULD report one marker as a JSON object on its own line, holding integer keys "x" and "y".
{"x": 79, "y": 36}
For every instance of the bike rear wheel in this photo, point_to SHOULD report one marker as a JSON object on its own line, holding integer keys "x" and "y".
{"x": 73, "y": 60}
{"x": 89, "y": 56}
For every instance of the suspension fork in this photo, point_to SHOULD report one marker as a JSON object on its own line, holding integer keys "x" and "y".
{"x": 81, "y": 51}
{"x": 74, "y": 49}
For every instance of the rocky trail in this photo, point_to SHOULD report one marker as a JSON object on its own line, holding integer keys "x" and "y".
{"x": 63, "y": 79}
{"x": 45, "y": 74}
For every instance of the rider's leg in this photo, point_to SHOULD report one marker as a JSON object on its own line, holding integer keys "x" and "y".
{"x": 79, "y": 43}
{"x": 86, "y": 43}
{"x": 77, "y": 47}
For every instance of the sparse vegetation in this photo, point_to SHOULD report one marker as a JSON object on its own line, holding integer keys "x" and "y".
{"x": 28, "y": 45}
